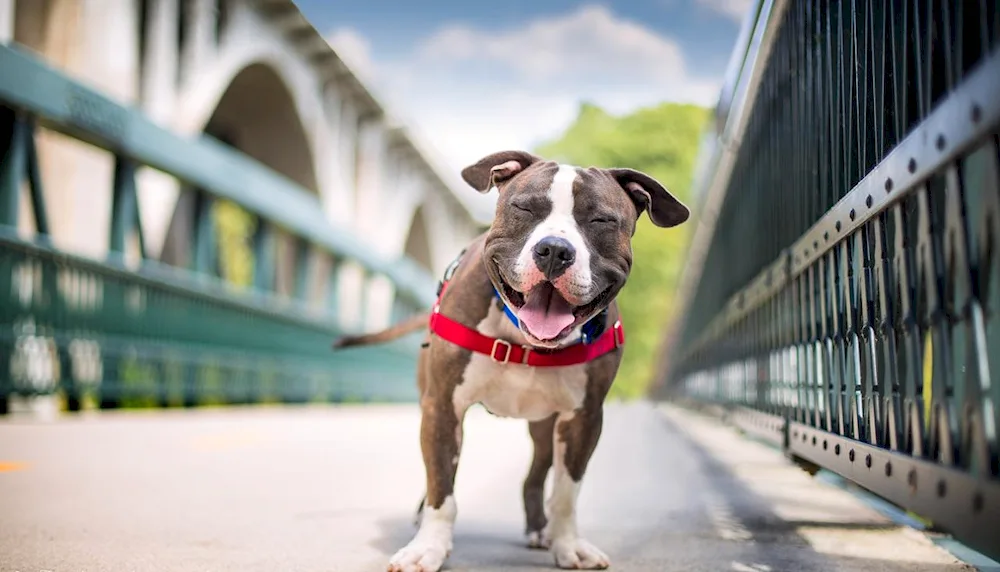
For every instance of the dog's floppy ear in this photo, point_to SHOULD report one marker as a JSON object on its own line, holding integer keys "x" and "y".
{"x": 649, "y": 195}
{"x": 497, "y": 168}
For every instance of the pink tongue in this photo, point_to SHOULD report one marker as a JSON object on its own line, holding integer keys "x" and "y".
{"x": 545, "y": 313}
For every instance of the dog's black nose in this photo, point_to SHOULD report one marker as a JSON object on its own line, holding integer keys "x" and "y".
{"x": 554, "y": 255}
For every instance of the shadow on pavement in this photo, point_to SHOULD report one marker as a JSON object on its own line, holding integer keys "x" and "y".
{"x": 774, "y": 544}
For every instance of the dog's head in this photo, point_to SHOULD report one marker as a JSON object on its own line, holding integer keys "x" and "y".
{"x": 560, "y": 246}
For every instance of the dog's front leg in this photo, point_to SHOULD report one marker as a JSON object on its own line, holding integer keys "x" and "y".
{"x": 534, "y": 484}
{"x": 440, "y": 441}
{"x": 575, "y": 438}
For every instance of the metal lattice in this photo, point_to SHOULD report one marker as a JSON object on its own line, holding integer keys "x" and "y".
{"x": 849, "y": 302}
{"x": 150, "y": 332}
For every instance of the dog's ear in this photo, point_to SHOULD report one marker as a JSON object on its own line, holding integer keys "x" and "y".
{"x": 649, "y": 195}
{"x": 496, "y": 168}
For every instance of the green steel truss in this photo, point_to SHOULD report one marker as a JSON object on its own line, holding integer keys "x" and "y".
{"x": 109, "y": 334}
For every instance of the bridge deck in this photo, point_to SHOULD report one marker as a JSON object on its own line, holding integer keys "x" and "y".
{"x": 335, "y": 489}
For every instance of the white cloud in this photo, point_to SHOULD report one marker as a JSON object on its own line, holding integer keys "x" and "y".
{"x": 466, "y": 131}
{"x": 472, "y": 91}
{"x": 734, "y": 9}
{"x": 590, "y": 41}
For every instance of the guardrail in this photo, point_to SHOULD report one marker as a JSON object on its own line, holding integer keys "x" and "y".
{"x": 845, "y": 301}
{"x": 160, "y": 335}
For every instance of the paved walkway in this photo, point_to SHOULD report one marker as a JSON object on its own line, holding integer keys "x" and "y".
{"x": 335, "y": 489}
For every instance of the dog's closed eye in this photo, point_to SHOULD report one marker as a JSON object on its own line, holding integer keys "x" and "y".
{"x": 523, "y": 207}
{"x": 603, "y": 219}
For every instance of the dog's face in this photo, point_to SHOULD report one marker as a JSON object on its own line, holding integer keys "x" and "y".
{"x": 559, "y": 248}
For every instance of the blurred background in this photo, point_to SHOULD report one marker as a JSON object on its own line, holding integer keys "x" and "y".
{"x": 606, "y": 84}
{"x": 342, "y": 204}
{"x": 625, "y": 84}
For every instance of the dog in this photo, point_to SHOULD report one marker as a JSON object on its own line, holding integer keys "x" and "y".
{"x": 526, "y": 324}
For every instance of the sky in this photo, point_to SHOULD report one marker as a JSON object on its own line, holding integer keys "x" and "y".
{"x": 474, "y": 77}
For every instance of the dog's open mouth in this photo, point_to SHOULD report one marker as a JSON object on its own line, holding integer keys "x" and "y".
{"x": 545, "y": 314}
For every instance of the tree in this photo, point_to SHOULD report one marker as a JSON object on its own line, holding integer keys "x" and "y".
{"x": 661, "y": 141}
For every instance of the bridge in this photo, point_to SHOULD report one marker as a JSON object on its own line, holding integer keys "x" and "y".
{"x": 230, "y": 173}
{"x": 192, "y": 205}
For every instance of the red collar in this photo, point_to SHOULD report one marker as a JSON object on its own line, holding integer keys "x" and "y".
{"x": 502, "y": 351}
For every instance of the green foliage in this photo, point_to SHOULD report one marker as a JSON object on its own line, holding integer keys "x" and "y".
{"x": 138, "y": 382}
{"x": 235, "y": 227}
{"x": 661, "y": 141}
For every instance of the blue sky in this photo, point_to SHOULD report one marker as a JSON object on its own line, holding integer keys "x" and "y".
{"x": 475, "y": 77}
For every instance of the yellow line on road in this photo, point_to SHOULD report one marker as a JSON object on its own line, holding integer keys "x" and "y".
{"x": 11, "y": 466}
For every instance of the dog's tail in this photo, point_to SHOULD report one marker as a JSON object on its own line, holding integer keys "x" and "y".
{"x": 387, "y": 335}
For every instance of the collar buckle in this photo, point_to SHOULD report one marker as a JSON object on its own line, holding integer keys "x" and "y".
{"x": 506, "y": 356}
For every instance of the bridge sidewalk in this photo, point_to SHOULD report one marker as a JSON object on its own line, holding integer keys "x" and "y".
{"x": 334, "y": 489}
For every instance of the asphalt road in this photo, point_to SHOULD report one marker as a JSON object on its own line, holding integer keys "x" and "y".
{"x": 335, "y": 489}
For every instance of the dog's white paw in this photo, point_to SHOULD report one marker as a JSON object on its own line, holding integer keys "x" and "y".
{"x": 420, "y": 556}
{"x": 538, "y": 539}
{"x": 578, "y": 554}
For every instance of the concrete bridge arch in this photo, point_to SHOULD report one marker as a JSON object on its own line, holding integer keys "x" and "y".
{"x": 257, "y": 114}
{"x": 184, "y": 63}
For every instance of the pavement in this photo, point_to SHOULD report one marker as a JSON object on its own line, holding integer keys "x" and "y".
{"x": 334, "y": 489}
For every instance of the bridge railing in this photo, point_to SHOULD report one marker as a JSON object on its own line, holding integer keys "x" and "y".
{"x": 843, "y": 293}
{"x": 119, "y": 334}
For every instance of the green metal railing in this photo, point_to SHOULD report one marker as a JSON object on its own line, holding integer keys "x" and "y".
{"x": 843, "y": 297}
{"x": 115, "y": 334}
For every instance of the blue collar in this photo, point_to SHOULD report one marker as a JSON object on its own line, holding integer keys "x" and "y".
{"x": 588, "y": 333}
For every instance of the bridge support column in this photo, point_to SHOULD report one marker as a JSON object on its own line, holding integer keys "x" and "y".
{"x": 158, "y": 193}
{"x": 199, "y": 46}
{"x": 352, "y": 285}
{"x": 378, "y": 302}
{"x": 159, "y": 80}
{"x": 6, "y": 21}
{"x": 332, "y": 162}
{"x": 371, "y": 148}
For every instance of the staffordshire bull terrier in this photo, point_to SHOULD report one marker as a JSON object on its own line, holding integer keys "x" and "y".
{"x": 526, "y": 324}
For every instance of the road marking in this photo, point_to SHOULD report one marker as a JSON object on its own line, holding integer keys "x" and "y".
{"x": 928, "y": 379}
{"x": 726, "y": 524}
{"x": 11, "y": 466}
{"x": 741, "y": 567}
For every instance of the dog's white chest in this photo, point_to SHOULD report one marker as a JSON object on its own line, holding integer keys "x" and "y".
{"x": 514, "y": 390}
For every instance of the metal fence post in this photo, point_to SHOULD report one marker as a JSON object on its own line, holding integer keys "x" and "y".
{"x": 873, "y": 132}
